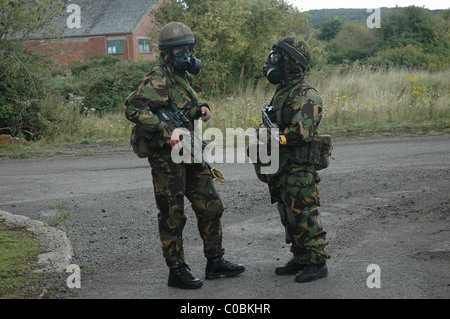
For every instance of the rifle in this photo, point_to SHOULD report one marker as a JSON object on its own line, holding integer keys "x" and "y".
{"x": 268, "y": 118}
{"x": 177, "y": 119}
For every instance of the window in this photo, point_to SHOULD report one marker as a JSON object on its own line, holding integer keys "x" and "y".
{"x": 144, "y": 46}
{"x": 115, "y": 46}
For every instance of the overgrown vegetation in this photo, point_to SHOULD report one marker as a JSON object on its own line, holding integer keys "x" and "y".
{"x": 318, "y": 17}
{"x": 370, "y": 79}
{"x": 356, "y": 100}
{"x": 43, "y": 101}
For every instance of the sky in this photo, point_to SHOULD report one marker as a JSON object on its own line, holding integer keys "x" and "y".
{"x": 305, "y": 5}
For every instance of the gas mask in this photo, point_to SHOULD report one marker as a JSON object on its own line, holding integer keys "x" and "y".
{"x": 184, "y": 61}
{"x": 275, "y": 67}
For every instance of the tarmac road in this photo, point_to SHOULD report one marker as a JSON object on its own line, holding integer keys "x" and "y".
{"x": 385, "y": 202}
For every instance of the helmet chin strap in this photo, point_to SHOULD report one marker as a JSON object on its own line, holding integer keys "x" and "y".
{"x": 289, "y": 76}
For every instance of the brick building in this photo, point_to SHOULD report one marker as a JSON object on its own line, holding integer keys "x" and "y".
{"x": 117, "y": 27}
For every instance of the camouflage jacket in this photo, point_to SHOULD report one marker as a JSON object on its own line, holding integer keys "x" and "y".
{"x": 162, "y": 88}
{"x": 298, "y": 110}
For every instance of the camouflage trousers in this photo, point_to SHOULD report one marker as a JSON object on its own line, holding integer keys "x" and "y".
{"x": 297, "y": 195}
{"x": 171, "y": 183}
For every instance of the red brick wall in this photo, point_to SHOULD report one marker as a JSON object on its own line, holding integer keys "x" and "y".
{"x": 68, "y": 51}
{"x": 142, "y": 32}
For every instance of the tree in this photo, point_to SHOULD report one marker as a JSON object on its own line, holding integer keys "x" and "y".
{"x": 409, "y": 25}
{"x": 354, "y": 42}
{"x": 21, "y": 19}
{"x": 329, "y": 29}
{"x": 22, "y": 74}
{"x": 233, "y": 36}
{"x": 414, "y": 38}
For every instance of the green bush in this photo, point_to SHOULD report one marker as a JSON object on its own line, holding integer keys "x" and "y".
{"x": 410, "y": 56}
{"x": 354, "y": 42}
{"x": 105, "y": 83}
{"x": 22, "y": 86}
{"x": 39, "y": 99}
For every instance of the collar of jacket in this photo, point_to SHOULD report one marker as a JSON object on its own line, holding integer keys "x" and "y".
{"x": 180, "y": 79}
{"x": 291, "y": 80}
{"x": 285, "y": 86}
{"x": 283, "y": 91}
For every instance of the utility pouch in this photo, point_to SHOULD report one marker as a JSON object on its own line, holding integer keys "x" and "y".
{"x": 314, "y": 150}
{"x": 301, "y": 153}
{"x": 325, "y": 152}
{"x": 316, "y": 153}
{"x": 139, "y": 142}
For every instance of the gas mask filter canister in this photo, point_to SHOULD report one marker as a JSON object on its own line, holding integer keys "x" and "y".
{"x": 184, "y": 61}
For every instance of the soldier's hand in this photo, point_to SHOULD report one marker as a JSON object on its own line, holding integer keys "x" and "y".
{"x": 206, "y": 114}
{"x": 175, "y": 139}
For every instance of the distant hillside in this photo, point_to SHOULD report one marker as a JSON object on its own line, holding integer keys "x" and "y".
{"x": 319, "y": 16}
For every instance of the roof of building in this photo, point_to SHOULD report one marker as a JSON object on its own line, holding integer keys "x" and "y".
{"x": 103, "y": 17}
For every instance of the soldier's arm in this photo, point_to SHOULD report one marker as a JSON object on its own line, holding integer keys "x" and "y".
{"x": 202, "y": 110}
{"x": 142, "y": 105}
{"x": 306, "y": 116}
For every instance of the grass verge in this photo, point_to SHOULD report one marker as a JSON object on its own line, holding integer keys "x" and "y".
{"x": 18, "y": 252}
{"x": 19, "y": 279}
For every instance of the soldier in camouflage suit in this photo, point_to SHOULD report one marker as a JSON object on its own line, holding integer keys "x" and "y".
{"x": 169, "y": 85}
{"x": 294, "y": 187}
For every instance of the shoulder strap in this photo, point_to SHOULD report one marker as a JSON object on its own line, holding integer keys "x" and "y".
{"x": 305, "y": 86}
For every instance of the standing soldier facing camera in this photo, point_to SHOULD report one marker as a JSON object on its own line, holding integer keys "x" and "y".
{"x": 168, "y": 87}
{"x": 296, "y": 109}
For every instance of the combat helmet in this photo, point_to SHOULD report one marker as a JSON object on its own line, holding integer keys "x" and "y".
{"x": 296, "y": 49}
{"x": 175, "y": 34}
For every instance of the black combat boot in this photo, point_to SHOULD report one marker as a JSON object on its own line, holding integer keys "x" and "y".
{"x": 312, "y": 272}
{"x": 218, "y": 266}
{"x": 291, "y": 268}
{"x": 182, "y": 278}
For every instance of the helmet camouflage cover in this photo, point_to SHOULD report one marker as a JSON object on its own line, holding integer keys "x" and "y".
{"x": 175, "y": 34}
{"x": 297, "y": 49}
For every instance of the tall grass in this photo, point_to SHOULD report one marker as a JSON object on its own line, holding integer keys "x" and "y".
{"x": 243, "y": 108}
{"x": 68, "y": 125}
{"x": 384, "y": 100}
{"x": 354, "y": 100}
